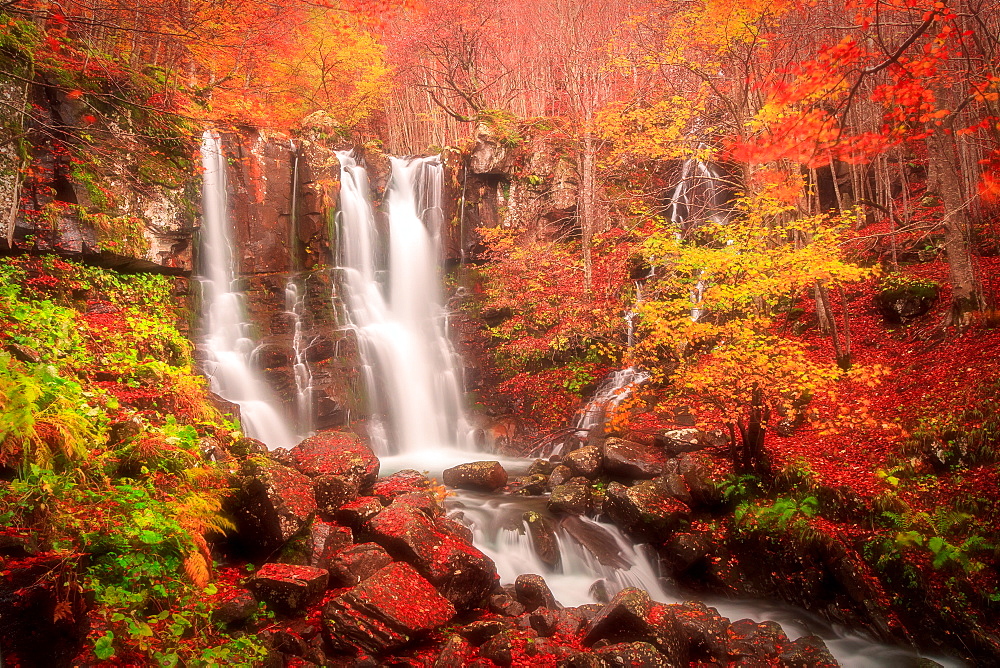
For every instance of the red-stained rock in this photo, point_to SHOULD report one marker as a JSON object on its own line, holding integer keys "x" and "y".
{"x": 751, "y": 640}
{"x": 289, "y": 588}
{"x": 807, "y": 652}
{"x": 479, "y": 632}
{"x": 232, "y": 606}
{"x": 633, "y": 654}
{"x": 633, "y": 461}
{"x": 705, "y": 631}
{"x": 487, "y": 476}
{"x": 499, "y": 649}
{"x": 273, "y": 503}
{"x": 462, "y": 573}
{"x": 324, "y": 541}
{"x": 385, "y": 611}
{"x": 632, "y": 617}
{"x": 401, "y": 482}
{"x": 333, "y": 491}
{"x": 506, "y": 605}
{"x": 454, "y": 652}
{"x": 357, "y": 513}
{"x": 645, "y": 506}
{"x": 336, "y": 453}
{"x": 357, "y": 563}
{"x": 454, "y": 528}
{"x": 425, "y": 501}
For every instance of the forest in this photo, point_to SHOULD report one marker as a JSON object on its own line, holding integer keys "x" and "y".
{"x": 467, "y": 333}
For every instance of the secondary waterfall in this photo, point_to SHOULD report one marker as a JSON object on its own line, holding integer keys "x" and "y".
{"x": 227, "y": 333}
{"x": 393, "y": 297}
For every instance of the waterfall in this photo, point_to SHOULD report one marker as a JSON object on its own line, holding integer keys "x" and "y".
{"x": 700, "y": 195}
{"x": 393, "y": 297}
{"x": 227, "y": 333}
{"x": 295, "y": 307}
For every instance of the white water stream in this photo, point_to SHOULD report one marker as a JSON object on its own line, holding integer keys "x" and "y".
{"x": 393, "y": 296}
{"x": 227, "y": 333}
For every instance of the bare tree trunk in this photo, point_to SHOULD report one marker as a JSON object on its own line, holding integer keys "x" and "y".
{"x": 944, "y": 179}
{"x": 586, "y": 205}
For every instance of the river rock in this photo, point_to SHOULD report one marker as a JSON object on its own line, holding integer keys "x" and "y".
{"x": 323, "y": 541}
{"x": 401, "y": 482}
{"x": 479, "y": 632}
{"x": 273, "y": 503}
{"x": 543, "y": 538}
{"x": 755, "y": 641}
{"x": 505, "y": 604}
{"x": 572, "y": 497}
{"x": 289, "y": 588}
{"x": 585, "y": 461}
{"x": 454, "y": 652}
{"x": 528, "y": 485}
{"x": 631, "y": 460}
{"x": 486, "y": 476}
{"x": 807, "y": 652}
{"x": 701, "y": 478}
{"x": 532, "y": 592}
{"x": 356, "y": 513}
{"x": 677, "y": 441}
{"x": 632, "y": 616}
{"x": 541, "y": 467}
{"x": 705, "y": 631}
{"x": 233, "y": 606}
{"x": 645, "y": 506}
{"x": 462, "y": 573}
{"x": 560, "y": 475}
{"x": 333, "y": 491}
{"x": 632, "y": 654}
{"x": 357, "y": 563}
{"x": 499, "y": 649}
{"x": 385, "y": 611}
{"x": 336, "y": 453}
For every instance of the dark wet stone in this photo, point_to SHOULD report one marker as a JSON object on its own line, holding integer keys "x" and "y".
{"x": 333, "y": 491}
{"x": 401, "y": 482}
{"x": 585, "y": 461}
{"x": 807, "y": 652}
{"x": 424, "y": 501}
{"x": 645, "y": 506}
{"x": 356, "y": 513}
{"x": 504, "y": 604}
{"x": 273, "y": 504}
{"x": 542, "y": 467}
{"x": 634, "y": 461}
{"x": 752, "y": 640}
{"x": 479, "y": 632}
{"x": 705, "y": 631}
{"x": 533, "y": 593}
{"x": 486, "y": 476}
{"x": 632, "y": 654}
{"x": 499, "y": 649}
{"x": 289, "y": 588}
{"x": 543, "y": 538}
{"x": 560, "y": 475}
{"x": 454, "y": 652}
{"x": 233, "y": 606}
{"x": 454, "y": 528}
{"x": 572, "y": 497}
{"x": 356, "y": 563}
{"x": 528, "y": 485}
{"x": 385, "y": 611}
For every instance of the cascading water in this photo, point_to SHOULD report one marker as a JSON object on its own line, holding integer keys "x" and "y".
{"x": 410, "y": 370}
{"x": 227, "y": 337}
{"x": 700, "y": 195}
{"x": 295, "y": 307}
{"x": 410, "y": 367}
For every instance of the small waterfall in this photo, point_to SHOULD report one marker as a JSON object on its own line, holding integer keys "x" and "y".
{"x": 612, "y": 391}
{"x": 393, "y": 296}
{"x": 295, "y": 307}
{"x": 227, "y": 334}
{"x": 700, "y": 195}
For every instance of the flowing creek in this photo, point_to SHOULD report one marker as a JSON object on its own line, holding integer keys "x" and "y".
{"x": 392, "y": 291}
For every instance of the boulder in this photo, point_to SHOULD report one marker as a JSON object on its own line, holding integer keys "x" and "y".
{"x": 479, "y": 632}
{"x": 233, "y": 606}
{"x": 336, "y": 453}
{"x": 807, "y": 652}
{"x": 559, "y": 476}
{"x": 634, "y": 461}
{"x": 499, "y": 649}
{"x": 532, "y": 592}
{"x": 487, "y": 476}
{"x": 333, "y": 491}
{"x": 632, "y": 616}
{"x": 705, "y": 631}
{"x": 585, "y": 461}
{"x": 677, "y": 441}
{"x": 700, "y": 477}
{"x": 385, "y": 611}
{"x": 528, "y": 485}
{"x": 632, "y": 654}
{"x": 273, "y": 503}
{"x": 323, "y": 541}
{"x": 401, "y": 482}
{"x": 356, "y": 513}
{"x": 357, "y": 563}
{"x": 462, "y": 573}
{"x": 454, "y": 652}
{"x": 289, "y": 588}
{"x": 645, "y": 506}
{"x": 504, "y": 604}
{"x": 424, "y": 501}
{"x": 755, "y": 641}
{"x": 572, "y": 497}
